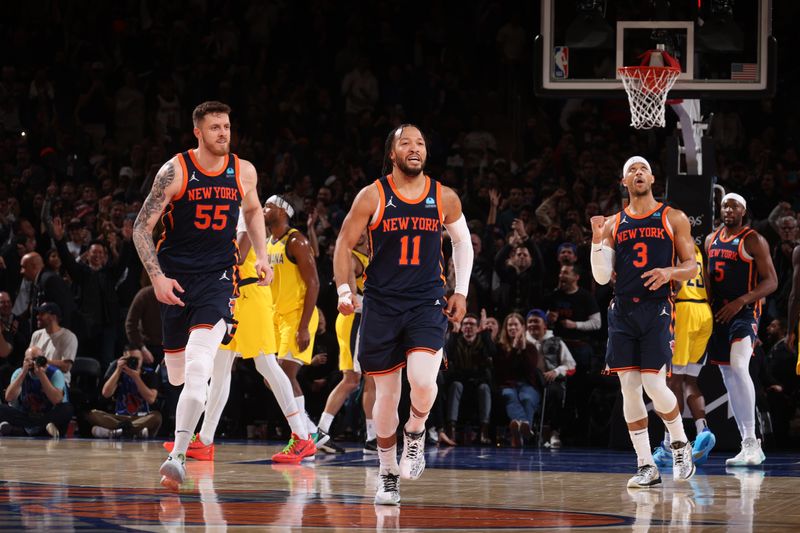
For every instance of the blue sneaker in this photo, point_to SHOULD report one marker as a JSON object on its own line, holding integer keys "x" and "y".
{"x": 703, "y": 445}
{"x": 662, "y": 456}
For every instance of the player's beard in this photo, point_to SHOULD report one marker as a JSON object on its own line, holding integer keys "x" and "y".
{"x": 217, "y": 148}
{"x": 408, "y": 171}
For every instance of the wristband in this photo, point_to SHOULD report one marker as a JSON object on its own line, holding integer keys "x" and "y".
{"x": 343, "y": 289}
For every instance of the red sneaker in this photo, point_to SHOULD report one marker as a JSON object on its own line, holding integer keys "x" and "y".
{"x": 295, "y": 451}
{"x": 197, "y": 450}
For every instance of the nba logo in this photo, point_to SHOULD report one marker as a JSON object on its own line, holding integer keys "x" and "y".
{"x": 560, "y": 62}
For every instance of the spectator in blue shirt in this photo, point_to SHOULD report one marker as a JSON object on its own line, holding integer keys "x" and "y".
{"x": 38, "y": 399}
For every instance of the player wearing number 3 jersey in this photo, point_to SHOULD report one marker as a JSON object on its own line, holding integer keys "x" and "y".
{"x": 196, "y": 195}
{"x": 404, "y": 316}
{"x": 640, "y": 244}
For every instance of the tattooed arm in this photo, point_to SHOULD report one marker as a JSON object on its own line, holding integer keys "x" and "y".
{"x": 166, "y": 185}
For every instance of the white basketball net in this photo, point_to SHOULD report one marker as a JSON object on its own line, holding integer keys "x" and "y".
{"x": 647, "y": 89}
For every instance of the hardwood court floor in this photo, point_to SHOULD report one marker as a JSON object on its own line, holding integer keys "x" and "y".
{"x": 92, "y": 485}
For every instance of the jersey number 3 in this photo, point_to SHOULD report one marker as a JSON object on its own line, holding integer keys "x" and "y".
{"x": 209, "y": 216}
{"x": 641, "y": 254}
{"x": 404, "y": 250}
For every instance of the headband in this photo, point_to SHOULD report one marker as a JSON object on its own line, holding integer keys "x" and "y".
{"x": 736, "y": 197}
{"x": 283, "y": 204}
{"x": 631, "y": 161}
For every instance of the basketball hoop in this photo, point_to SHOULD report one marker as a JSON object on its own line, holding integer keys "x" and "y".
{"x": 647, "y": 87}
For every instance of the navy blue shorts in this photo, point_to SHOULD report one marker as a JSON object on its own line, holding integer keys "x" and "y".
{"x": 207, "y": 298}
{"x": 387, "y": 337}
{"x": 640, "y": 335}
{"x": 743, "y": 325}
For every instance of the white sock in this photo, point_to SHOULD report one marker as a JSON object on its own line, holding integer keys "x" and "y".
{"x": 325, "y": 422}
{"x": 218, "y": 391}
{"x": 267, "y": 366}
{"x": 371, "y": 435}
{"x": 200, "y": 351}
{"x": 741, "y": 392}
{"x": 676, "y": 431}
{"x": 667, "y": 438}
{"x": 310, "y": 425}
{"x": 387, "y": 457}
{"x": 641, "y": 443}
{"x": 700, "y": 424}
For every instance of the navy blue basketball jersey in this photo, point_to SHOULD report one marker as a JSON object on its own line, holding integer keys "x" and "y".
{"x": 200, "y": 221}
{"x": 731, "y": 271}
{"x": 406, "y": 262}
{"x": 642, "y": 243}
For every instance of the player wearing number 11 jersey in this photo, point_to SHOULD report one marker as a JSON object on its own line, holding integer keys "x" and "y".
{"x": 640, "y": 244}
{"x": 404, "y": 316}
{"x": 197, "y": 195}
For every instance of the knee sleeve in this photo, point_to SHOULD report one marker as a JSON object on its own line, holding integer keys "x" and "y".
{"x": 200, "y": 351}
{"x": 741, "y": 352}
{"x": 655, "y": 385}
{"x": 633, "y": 407}
{"x": 176, "y": 367}
{"x": 422, "y": 370}
{"x": 387, "y": 398}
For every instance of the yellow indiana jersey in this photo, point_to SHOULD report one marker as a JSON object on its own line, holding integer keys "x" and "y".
{"x": 288, "y": 287}
{"x": 364, "y": 260}
{"x": 695, "y": 289}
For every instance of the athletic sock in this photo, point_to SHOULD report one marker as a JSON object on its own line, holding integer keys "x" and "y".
{"x": 641, "y": 443}
{"x": 325, "y": 422}
{"x": 675, "y": 427}
{"x": 371, "y": 435}
{"x": 700, "y": 424}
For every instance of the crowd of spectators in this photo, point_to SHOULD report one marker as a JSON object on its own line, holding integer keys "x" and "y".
{"x": 88, "y": 117}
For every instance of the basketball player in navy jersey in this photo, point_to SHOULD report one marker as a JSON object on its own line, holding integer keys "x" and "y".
{"x": 193, "y": 268}
{"x": 639, "y": 244}
{"x": 404, "y": 314}
{"x": 740, "y": 274}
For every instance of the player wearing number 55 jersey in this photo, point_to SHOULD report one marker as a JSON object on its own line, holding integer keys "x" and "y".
{"x": 404, "y": 317}
{"x": 640, "y": 244}
{"x": 196, "y": 194}
{"x": 740, "y": 274}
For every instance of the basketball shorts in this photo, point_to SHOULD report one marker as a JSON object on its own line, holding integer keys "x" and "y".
{"x": 693, "y": 325}
{"x": 346, "y": 334}
{"x": 255, "y": 332}
{"x": 640, "y": 335}
{"x": 743, "y": 325}
{"x": 387, "y": 336}
{"x": 208, "y": 298}
{"x": 286, "y": 334}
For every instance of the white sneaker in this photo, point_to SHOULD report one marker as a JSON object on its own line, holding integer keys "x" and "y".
{"x": 174, "y": 468}
{"x": 682, "y": 465}
{"x": 412, "y": 460}
{"x": 144, "y": 433}
{"x": 52, "y": 430}
{"x": 104, "y": 433}
{"x": 555, "y": 440}
{"x": 751, "y": 454}
{"x": 646, "y": 476}
{"x": 388, "y": 492}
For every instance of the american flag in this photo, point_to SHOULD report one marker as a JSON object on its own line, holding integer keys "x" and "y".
{"x": 743, "y": 71}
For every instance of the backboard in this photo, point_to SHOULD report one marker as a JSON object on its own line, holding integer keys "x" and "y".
{"x": 725, "y": 47}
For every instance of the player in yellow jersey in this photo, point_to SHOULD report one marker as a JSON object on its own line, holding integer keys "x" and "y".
{"x": 346, "y": 332}
{"x": 295, "y": 287}
{"x": 252, "y": 310}
{"x": 693, "y": 325}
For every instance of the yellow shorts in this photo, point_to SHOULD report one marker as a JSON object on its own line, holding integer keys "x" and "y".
{"x": 346, "y": 334}
{"x": 286, "y": 331}
{"x": 255, "y": 333}
{"x": 693, "y": 325}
